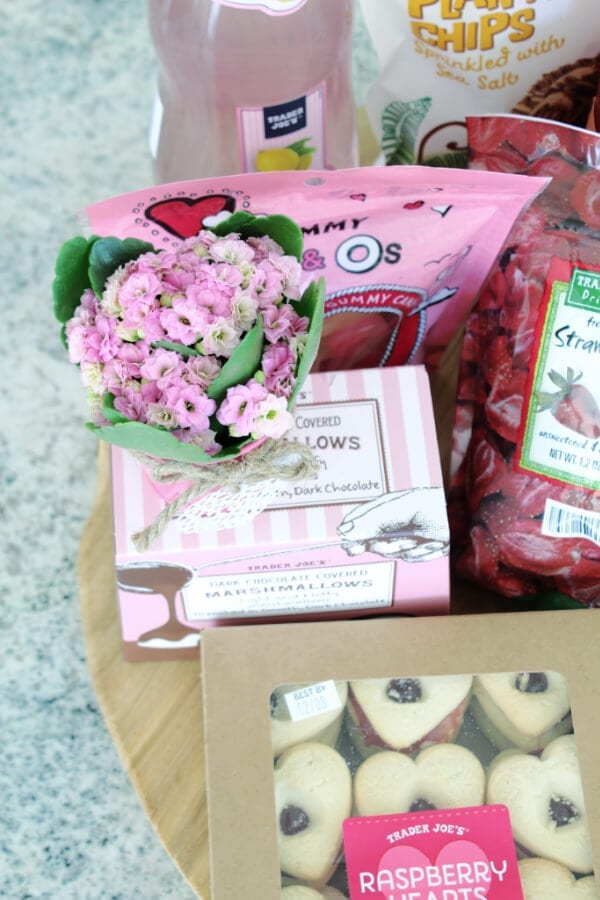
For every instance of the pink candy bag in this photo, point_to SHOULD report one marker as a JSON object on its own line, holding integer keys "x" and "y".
{"x": 403, "y": 250}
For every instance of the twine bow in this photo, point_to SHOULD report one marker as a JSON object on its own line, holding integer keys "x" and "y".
{"x": 275, "y": 459}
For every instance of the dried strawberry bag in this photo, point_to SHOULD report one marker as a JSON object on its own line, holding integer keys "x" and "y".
{"x": 525, "y": 474}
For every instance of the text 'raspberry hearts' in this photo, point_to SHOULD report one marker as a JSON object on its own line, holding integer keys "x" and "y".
{"x": 427, "y": 880}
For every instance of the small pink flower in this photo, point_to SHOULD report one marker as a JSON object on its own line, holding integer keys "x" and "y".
{"x": 272, "y": 418}
{"x": 139, "y": 289}
{"x": 152, "y": 329}
{"x": 240, "y": 407}
{"x": 244, "y": 310}
{"x": 178, "y": 326}
{"x": 131, "y": 404}
{"x": 100, "y": 342}
{"x": 227, "y": 274}
{"x": 133, "y": 355}
{"x": 291, "y": 271}
{"x": 191, "y": 406}
{"x": 75, "y": 334}
{"x": 278, "y": 322}
{"x": 266, "y": 284}
{"x": 92, "y": 376}
{"x": 213, "y": 298}
{"x": 263, "y": 246}
{"x": 201, "y": 370}
{"x": 162, "y": 367}
{"x": 161, "y": 415}
{"x": 178, "y": 278}
{"x": 115, "y": 376}
{"x": 221, "y": 338}
{"x": 231, "y": 250}
{"x": 279, "y": 364}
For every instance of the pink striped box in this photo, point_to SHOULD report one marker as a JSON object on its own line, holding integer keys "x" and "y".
{"x": 368, "y": 536}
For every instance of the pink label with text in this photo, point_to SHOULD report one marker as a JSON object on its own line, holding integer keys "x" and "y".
{"x": 455, "y": 854}
{"x": 286, "y": 135}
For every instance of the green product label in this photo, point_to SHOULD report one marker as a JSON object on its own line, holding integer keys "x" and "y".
{"x": 584, "y": 290}
{"x": 560, "y": 436}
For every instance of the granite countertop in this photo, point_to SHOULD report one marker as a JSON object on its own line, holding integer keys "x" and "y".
{"x": 77, "y": 89}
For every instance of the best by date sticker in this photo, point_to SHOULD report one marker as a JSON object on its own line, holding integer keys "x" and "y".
{"x": 312, "y": 700}
{"x": 453, "y": 854}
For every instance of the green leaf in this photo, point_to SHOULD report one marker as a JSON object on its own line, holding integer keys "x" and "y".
{"x": 453, "y": 160}
{"x": 311, "y": 304}
{"x": 72, "y": 279}
{"x": 109, "y": 412}
{"x": 108, "y": 253}
{"x": 182, "y": 349}
{"x": 241, "y": 365}
{"x": 280, "y": 228}
{"x": 557, "y": 379}
{"x": 234, "y": 224}
{"x": 159, "y": 443}
{"x": 300, "y": 147}
{"x": 400, "y": 123}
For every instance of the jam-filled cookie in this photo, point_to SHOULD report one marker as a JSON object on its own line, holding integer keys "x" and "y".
{"x": 324, "y": 727}
{"x": 406, "y": 714}
{"x": 441, "y": 777}
{"x": 544, "y": 796}
{"x": 543, "y": 879}
{"x": 313, "y": 796}
{"x": 522, "y": 709}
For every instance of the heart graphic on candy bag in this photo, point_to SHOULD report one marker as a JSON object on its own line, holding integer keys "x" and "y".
{"x": 186, "y": 216}
{"x": 415, "y": 873}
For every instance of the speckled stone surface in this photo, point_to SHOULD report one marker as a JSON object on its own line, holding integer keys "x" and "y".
{"x": 77, "y": 87}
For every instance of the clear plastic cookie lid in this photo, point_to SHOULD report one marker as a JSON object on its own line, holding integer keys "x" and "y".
{"x": 430, "y": 786}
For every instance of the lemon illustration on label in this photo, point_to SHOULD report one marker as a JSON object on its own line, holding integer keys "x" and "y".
{"x": 284, "y": 159}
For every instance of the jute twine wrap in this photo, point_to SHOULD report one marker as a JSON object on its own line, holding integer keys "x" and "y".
{"x": 275, "y": 459}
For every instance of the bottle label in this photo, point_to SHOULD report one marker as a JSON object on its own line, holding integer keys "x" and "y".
{"x": 270, "y": 7}
{"x": 560, "y": 432}
{"x": 285, "y": 136}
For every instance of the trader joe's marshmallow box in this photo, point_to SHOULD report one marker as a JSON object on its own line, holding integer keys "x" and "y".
{"x": 367, "y": 536}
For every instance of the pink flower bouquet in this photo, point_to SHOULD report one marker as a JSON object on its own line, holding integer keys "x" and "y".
{"x": 191, "y": 354}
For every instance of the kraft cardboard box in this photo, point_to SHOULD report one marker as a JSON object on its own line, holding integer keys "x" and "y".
{"x": 368, "y": 536}
{"x": 388, "y": 759}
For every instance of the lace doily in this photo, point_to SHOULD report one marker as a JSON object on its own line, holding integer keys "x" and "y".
{"x": 222, "y": 508}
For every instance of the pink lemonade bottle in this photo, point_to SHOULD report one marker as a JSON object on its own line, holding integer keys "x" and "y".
{"x": 252, "y": 85}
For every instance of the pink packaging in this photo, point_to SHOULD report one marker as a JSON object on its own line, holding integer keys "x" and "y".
{"x": 369, "y": 536}
{"x": 403, "y": 250}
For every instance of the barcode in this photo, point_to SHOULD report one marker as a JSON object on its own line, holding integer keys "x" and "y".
{"x": 561, "y": 520}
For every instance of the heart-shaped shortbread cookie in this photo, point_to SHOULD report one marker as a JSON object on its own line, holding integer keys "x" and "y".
{"x": 544, "y": 796}
{"x": 524, "y": 709}
{"x": 313, "y": 796}
{"x": 324, "y": 727}
{"x": 543, "y": 879}
{"x": 407, "y": 713}
{"x": 186, "y": 216}
{"x": 442, "y": 777}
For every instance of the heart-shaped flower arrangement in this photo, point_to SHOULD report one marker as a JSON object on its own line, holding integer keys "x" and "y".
{"x": 191, "y": 354}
